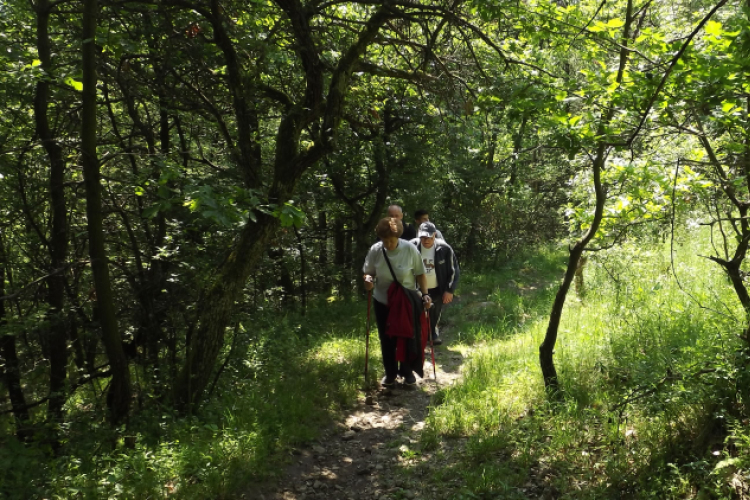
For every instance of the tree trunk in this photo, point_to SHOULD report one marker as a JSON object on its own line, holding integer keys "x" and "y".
{"x": 9, "y": 359}
{"x": 338, "y": 243}
{"x": 323, "y": 232}
{"x": 290, "y": 163}
{"x": 118, "y": 397}
{"x": 58, "y": 243}
{"x": 284, "y": 280}
{"x": 302, "y": 284}
{"x": 217, "y": 305}
{"x": 547, "y": 349}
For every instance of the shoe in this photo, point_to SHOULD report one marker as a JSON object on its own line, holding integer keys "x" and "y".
{"x": 388, "y": 381}
{"x": 437, "y": 341}
{"x": 410, "y": 379}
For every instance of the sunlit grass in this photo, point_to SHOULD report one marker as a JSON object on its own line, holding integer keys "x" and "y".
{"x": 626, "y": 355}
{"x": 648, "y": 369}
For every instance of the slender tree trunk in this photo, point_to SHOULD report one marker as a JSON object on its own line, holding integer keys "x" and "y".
{"x": 547, "y": 349}
{"x": 9, "y": 359}
{"x": 323, "y": 231}
{"x": 302, "y": 284}
{"x": 118, "y": 397}
{"x": 338, "y": 243}
{"x": 742, "y": 232}
{"x": 58, "y": 349}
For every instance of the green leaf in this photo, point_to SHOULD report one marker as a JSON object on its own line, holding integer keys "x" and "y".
{"x": 150, "y": 212}
{"x": 290, "y": 215}
{"x": 714, "y": 28}
{"x": 615, "y": 23}
{"x": 74, "y": 83}
{"x": 727, "y": 106}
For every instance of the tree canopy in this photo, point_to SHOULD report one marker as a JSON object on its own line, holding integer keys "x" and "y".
{"x": 168, "y": 168}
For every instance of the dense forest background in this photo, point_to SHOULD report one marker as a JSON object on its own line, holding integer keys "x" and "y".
{"x": 182, "y": 179}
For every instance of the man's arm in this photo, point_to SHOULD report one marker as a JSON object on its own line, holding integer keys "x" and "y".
{"x": 454, "y": 274}
{"x": 422, "y": 282}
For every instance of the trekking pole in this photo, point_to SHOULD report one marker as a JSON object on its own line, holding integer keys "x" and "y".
{"x": 432, "y": 346}
{"x": 367, "y": 337}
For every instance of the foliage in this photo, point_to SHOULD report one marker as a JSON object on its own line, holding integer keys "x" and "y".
{"x": 247, "y": 151}
{"x": 651, "y": 375}
{"x": 289, "y": 380}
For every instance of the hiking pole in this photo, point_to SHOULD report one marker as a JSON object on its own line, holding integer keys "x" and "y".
{"x": 367, "y": 337}
{"x": 432, "y": 346}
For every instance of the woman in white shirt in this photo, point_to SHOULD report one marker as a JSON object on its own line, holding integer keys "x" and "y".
{"x": 407, "y": 264}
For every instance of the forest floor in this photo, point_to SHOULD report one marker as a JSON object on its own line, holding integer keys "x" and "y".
{"x": 373, "y": 450}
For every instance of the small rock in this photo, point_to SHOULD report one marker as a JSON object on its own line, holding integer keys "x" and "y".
{"x": 319, "y": 449}
{"x": 356, "y": 428}
{"x": 409, "y": 494}
{"x": 348, "y": 435}
{"x": 317, "y": 485}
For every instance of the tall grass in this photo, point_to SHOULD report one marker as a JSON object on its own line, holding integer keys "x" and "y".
{"x": 648, "y": 367}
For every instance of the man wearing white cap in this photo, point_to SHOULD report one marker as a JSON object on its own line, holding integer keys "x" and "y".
{"x": 442, "y": 272}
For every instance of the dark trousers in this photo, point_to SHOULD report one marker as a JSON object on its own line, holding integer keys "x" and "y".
{"x": 435, "y": 310}
{"x": 388, "y": 345}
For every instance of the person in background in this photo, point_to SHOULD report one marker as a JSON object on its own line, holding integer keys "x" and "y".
{"x": 410, "y": 272}
{"x": 441, "y": 272}
{"x": 410, "y": 231}
{"x": 421, "y": 216}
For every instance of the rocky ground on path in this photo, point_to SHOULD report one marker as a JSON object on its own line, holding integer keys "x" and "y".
{"x": 365, "y": 455}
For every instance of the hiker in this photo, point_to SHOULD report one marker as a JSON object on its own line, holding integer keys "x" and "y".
{"x": 441, "y": 272}
{"x": 421, "y": 216}
{"x": 407, "y": 265}
{"x": 397, "y": 212}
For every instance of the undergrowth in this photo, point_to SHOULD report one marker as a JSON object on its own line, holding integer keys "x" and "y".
{"x": 654, "y": 386}
{"x": 288, "y": 377}
{"x": 651, "y": 368}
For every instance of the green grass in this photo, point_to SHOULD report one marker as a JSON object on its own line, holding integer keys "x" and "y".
{"x": 290, "y": 377}
{"x": 655, "y": 395}
{"x": 652, "y": 392}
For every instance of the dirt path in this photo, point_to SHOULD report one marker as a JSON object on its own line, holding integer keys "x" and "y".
{"x": 364, "y": 455}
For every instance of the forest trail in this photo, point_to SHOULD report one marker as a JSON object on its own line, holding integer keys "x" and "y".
{"x": 365, "y": 454}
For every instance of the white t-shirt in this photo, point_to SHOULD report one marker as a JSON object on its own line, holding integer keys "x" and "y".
{"x": 428, "y": 259}
{"x": 406, "y": 263}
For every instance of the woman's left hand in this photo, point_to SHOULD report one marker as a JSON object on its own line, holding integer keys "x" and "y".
{"x": 369, "y": 285}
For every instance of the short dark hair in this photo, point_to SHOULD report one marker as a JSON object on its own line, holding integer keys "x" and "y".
{"x": 419, "y": 213}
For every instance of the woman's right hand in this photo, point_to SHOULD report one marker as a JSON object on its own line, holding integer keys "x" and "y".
{"x": 369, "y": 285}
